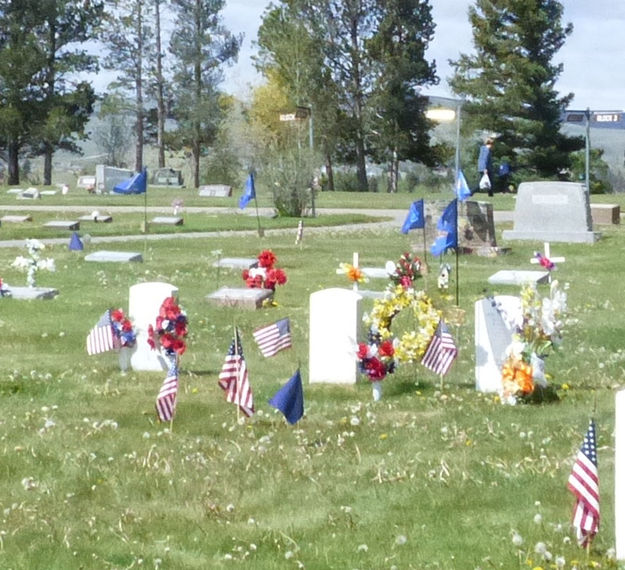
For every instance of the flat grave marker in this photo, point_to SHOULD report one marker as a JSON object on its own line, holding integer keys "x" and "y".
{"x": 114, "y": 256}
{"x": 518, "y": 277}
{"x": 63, "y": 225}
{"x": 236, "y": 262}
{"x": 106, "y": 219}
{"x": 168, "y": 220}
{"x": 30, "y": 293}
{"x": 16, "y": 219}
{"x": 244, "y": 298}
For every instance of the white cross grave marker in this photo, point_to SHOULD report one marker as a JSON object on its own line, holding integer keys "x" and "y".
{"x": 544, "y": 259}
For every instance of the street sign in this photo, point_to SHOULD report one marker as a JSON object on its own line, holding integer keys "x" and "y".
{"x": 597, "y": 119}
{"x": 288, "y": 117}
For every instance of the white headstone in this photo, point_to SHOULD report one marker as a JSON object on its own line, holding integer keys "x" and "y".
{"x": 495, "y": 321}
{"x": 144, "y": 302}
{"x": 619, "y": 475}
{"x": 335, "y": 318}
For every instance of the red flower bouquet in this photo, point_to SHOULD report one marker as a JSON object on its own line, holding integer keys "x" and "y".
{"x": 170, "y": 330}
{"x": 376, "y": 360}
{"x": 265, "y": 276}
{"x": 122, "y": 327}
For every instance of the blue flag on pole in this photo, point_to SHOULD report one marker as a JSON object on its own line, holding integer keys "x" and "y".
{"x": 415, "y": 218}
{"x": 462, "y": 188}
{"x": 249, "y": 194}
{"x": 290, "y": 399}
{"x": 447, "y": 223}
{"x": 137, "y": 184}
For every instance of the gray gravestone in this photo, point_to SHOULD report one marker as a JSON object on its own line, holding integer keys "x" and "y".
{"x": 107, "y": 177}
{"x": 114, "y": 256}
{"x": 515, "y": 277}
{"x": 215, "y": 191}
{"x": 245, "y": 298}
{"x": 86, "y": 182}
{"x": 167, "y": 177}
{"x": 335, "y": 318}
{"x": 552, "y": 211}
{"x": 496, "y": 319}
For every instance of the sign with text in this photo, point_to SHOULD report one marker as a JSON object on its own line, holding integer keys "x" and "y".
{"x": 597, "y": 119}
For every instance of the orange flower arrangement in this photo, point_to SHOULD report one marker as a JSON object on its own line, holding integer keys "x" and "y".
{"x": 517, "y": 377}
{"x": 354, "y": 274}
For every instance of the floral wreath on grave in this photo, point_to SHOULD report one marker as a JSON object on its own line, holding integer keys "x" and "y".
{"x": 538, "y": 333}
{"x": 383, "y": 351}
{"x": 122, "y": 328}
{"x": 170, "y": 331}
{"x": 265, "y": 276}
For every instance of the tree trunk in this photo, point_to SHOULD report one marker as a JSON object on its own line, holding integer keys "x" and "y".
{"x": 393, "y": 173}
{"x": 196, "y": 164}
{"x": 14, "y": 166}
{"x": 160, "y": 97}
{"x": 47, "y": 165}
{"x": 329, "y": 172}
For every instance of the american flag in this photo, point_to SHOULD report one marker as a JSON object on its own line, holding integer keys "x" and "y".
{"x": 441, "y": 352}
{"x": 233, "y": 378}
{"x": 273, "y": 338}
{"x": 300, "y": 232}
{"x": 101, "y": 338}
{"x": 584, "y": 484}
{"x": 166, "y": 399}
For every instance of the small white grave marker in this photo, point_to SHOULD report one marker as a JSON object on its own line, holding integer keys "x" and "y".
{"x": 168, "y": 220}
{"x": 545, "y": 259}
{"x": 114, "y": 256}
{"x": 335, "y": 318}
{"x": 495, "y": 321}
{"x": 144, "y": 302}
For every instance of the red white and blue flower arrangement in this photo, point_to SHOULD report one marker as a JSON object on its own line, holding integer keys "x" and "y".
{"x": 265, "y": 276}
{"x": 170, "y": 331}
{"x": 122, "y": 328}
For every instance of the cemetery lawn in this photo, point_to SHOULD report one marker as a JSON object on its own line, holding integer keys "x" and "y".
{"x": 430, "y": 477}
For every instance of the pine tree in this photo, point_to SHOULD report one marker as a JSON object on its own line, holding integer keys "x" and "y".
{"x": 509, "y": 82}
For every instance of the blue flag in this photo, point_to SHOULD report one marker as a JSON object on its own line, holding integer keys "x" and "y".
{"x": 249, "y": 194}
{"x": 290, "y": 399}
{"x": 75, "y": 243}
{"x": 462, "y": 188}
{"x": 448, "y": 223}
{"x": 137, "y": 184}
{"x": 415, "y": 218}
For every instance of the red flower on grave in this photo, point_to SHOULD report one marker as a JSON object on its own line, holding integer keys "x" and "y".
{"x": 386, "y": 349}
{"x": 363, "y": 350}
{"x": 170, "y": 330}
{"x": 375, "y": 369}
{"x": 266, "y": 259}
{"x": 245, "y": 274}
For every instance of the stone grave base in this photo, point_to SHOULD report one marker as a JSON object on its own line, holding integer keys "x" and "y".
{"x": 485, "y": 251}
{"x": 102, "y": 219}
{"x": 605, "y": 213}
{"x": 168, "y": 220}
{"x": 63, "y": 225}
{"x": 29, "y": 293}
{"x": 240, "y": 297}
{"x": 13, "y": 219}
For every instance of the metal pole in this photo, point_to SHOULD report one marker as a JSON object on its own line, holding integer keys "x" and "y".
{"x": 458, "y": 111}
{"x": 588, "y": 152}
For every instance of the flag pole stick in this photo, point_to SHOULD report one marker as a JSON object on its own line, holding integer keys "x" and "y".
{"x": 457, "y": 256}
{"x": 236, "y": 378}
{"x": 425, "y": 248}
{"x": 261, "y": 233}
{"x": 441, "y": 382}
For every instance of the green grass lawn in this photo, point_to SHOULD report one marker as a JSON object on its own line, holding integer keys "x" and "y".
{"x": 427, "y": 478}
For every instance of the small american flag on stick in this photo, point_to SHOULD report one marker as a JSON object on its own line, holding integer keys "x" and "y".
{"x": 233, "y": 378}
{"x": 101, "y": 337}
{"x": 441, "y": 352}
{"x": 166, "y": 399}
{"x": 273, "y": 338}
{"x": 584, "y": 484}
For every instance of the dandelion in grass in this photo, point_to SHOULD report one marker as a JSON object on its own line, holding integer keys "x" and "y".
{"x": 517, "y": 539}
{"x": 363, "y": 548}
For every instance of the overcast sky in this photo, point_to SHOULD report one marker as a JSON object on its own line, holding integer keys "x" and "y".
{"x": 593, "y": 56}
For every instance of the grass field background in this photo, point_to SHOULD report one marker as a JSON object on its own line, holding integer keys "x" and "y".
{"x": 429, "y": 477}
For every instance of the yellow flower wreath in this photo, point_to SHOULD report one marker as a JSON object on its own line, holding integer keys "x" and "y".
{"x": 412, "y": 344}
